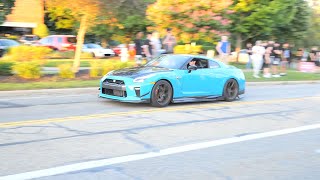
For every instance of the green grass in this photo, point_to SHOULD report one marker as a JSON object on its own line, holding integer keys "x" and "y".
{"x": 83, "y": 62}
{"x": 49, "y": 85}
{"x": 56, "y": 63}
{"x": 291, "y": 76}
{"x": 238, "y": 65}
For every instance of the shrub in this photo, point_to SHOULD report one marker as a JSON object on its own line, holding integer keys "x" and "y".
{"x": 86, "y": 55}
{"x": 187, "y": 49}
{"x": 6, "y": 68}
{"x": 28, "y": 53}
{"x": 27, "y": 70}
{"x": 41, "y": 30}
{"x": 65, "y": 71}
{"x": 107, "y": 66}
{"x": 95, "y": 69}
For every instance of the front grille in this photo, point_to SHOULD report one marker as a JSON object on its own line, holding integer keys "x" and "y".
{"x": 113, "y": 81}
{"x": 114, "y": 87}
{"x": 113, "y": 92}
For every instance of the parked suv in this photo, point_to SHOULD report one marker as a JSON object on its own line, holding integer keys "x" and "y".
{"x": 59, "y": 42}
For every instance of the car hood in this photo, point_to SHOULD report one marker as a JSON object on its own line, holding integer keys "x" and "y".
{"x": 138, "y": 71}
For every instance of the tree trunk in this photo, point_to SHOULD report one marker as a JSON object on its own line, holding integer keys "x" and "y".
{"x": 239, "y": 42}
{"x": 80, "y": 41}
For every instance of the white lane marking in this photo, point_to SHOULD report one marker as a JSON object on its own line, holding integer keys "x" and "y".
{"x": 164, "y": 152}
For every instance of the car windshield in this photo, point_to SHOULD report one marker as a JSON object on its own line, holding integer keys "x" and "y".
{"x": 169, "y": 61}
{"x": 29, "y": 38}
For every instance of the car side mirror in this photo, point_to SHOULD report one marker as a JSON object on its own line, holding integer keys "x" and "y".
{"x": 192, "y": 68}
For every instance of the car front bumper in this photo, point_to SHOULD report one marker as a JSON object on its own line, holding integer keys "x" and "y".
{"x": 125, "y": 90}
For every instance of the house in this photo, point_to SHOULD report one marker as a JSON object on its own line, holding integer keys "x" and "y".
{"x": 25, "y": 15}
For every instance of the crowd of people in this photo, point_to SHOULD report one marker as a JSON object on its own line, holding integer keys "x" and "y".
{"x": 267, "y": 58}
{"x": 153, "y": 46}
{"x": 272, "y": 59}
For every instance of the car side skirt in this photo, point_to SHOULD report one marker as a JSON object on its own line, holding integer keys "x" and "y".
{"x": 197, "y": 99}
{"x": 201, "y": 98}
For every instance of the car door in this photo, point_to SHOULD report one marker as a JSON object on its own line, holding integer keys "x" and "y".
{"x": 217, "y": 76}
{"x": 197, "y": 82}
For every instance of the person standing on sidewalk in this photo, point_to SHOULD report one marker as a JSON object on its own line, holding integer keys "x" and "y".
{"x": 286, "y": 59}
{"x": 268, "y": 57}
{"x": 156, "y": 44}
{"x": 224, "y": 49}
{"x": 138, "y": 42}
{"x": 258, "y": 52}
{"x": 277, "y": 53}
{"x": 249, "y": 51}
{"x": 169, "y": 42}
{"x": 148, "y": 46}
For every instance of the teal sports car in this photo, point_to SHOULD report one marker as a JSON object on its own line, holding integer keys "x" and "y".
{"x": 173, "y": 79}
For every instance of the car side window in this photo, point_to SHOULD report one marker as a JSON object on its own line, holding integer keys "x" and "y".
{"x": 201, "y": 63}
{"x": 50, "y": 40}
{"x": 44, "y": 41}
{"x": 60, "y": 40}
{"x": 213, "y": 65}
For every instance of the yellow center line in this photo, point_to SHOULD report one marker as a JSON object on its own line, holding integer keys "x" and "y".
{"x": 153, "y": 110}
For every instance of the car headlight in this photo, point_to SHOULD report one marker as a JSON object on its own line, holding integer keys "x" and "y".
{"x": 142, "y": 78}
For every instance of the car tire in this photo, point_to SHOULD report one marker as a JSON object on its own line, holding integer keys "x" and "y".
{"x": 231, "y": 90}
{"x": 161, "y": 94}
{"x": 93, "y": 55}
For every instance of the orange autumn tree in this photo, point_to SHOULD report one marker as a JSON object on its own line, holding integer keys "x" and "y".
{"x": 88, "y": 13}
{"x": 201, "y": 20}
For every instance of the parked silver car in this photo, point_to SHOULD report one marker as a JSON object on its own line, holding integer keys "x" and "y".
{"x": 97, "y": 50}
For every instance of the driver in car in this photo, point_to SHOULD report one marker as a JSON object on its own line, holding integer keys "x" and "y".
{"x": 192, "y": 63}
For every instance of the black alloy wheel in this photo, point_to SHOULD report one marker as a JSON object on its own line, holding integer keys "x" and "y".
{"x": 231, "y": 90}
{"x": 161, "y": 94}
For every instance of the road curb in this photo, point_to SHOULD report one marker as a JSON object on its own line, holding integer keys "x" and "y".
{"x": 48, "y": 91}
{"x": 281, "y": 83}
{"x": 91, "y": 89}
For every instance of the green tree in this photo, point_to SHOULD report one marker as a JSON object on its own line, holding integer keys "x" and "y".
{"x": 5, "y": 9}
{"x": 131, "y": 16}
{"x": 88, "y": 13}
{"x": 254, "y": 19}
{"x": 297, "y": 24}
{"x": 62, "y": 17}
{"x": 41, "y": 30}
{"x": 313, "y": 34}
{"x": 191, "y": 20}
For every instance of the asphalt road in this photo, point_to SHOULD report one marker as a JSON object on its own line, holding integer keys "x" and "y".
{"x": 273, "y": 132}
